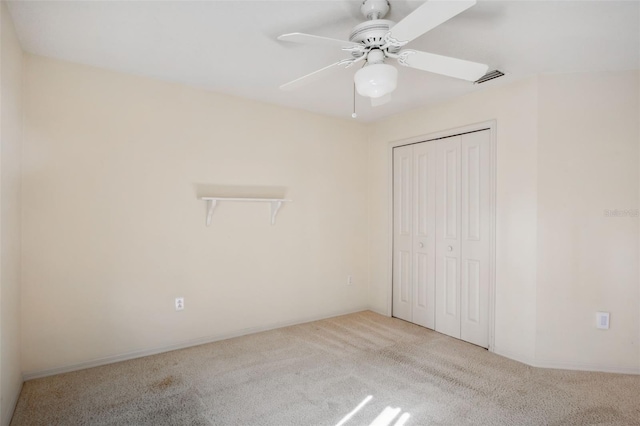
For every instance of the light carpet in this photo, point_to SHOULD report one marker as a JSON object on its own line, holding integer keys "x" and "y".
{"x": 359, "y": 369}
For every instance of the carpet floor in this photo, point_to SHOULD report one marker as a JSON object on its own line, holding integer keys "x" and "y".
{"x": 358, "y": 369}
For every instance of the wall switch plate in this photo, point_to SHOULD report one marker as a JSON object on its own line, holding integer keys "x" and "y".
{"x": 349, "y": 279}
{"x": 602, "y": 320}
{"x": 179, "y": 303}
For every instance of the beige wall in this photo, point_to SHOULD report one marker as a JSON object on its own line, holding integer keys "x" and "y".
{"x": 587, "y": 262}
{"x": 515, "y": 108}
{"x": 567, "y": 149}
{"x": 113, "y": 230}
{"x": 10, "y": 145}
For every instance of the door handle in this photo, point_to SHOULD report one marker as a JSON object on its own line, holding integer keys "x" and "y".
{"x": 421, "y": 245}
{"x": 449, "y": 248}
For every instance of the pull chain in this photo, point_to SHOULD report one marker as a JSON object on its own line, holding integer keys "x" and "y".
{"x": 354, "y": 115}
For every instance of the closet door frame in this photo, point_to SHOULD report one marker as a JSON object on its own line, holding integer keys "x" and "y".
{"x": 491, "y": 126}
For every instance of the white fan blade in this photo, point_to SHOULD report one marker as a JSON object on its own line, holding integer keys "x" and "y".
{"x": 452, "y": 67}
{"x": 314, "y": 76}
{"x": 427, "y": 17}
{"x": 316, "y": 40}
{"x": 381, "y": 100}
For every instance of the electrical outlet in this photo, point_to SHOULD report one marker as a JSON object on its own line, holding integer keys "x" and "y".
{"x": 602, "y": 320}
{"x": 179, "y": 303}
{"x": 349, "y": 279}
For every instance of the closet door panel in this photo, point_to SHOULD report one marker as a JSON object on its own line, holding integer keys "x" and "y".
{"x": 448, "y": 232}
{"x": 424, "y": 234}
{"x": 476, "y": 161}
{"x": 402, "y": 232}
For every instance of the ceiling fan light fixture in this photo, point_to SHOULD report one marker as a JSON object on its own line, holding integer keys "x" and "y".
{"x": 376, "y": 80}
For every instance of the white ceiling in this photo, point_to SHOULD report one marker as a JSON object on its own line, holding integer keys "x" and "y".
{"x": 231, "y": 46}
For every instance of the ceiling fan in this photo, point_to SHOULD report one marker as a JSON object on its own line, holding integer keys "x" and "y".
{"x": 376, "y": 40}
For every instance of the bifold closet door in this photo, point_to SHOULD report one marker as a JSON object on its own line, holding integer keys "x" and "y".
{"x": 424, "y": 239}
{"x": 448, "y": 236}
{"x": 476, "y": 239}
{"x": 441, "y": 240}
{"x": 414, "y": 234}
{"x": 462, "y": 236}
{"x": 402, "y": 227}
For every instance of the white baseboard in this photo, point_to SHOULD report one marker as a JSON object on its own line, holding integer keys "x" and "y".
{"x": 182, "y": 345}
{"x": 379, "y": 312}
{"x": 587, "y": 367}
{"x": 525, "y": 359}
{"x": 566, "y": 365}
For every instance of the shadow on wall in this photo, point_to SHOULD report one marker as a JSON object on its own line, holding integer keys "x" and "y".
{"x": 239, "y": 191}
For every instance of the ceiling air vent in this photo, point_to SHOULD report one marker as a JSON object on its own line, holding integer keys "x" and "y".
{"x": 489, "y": 76}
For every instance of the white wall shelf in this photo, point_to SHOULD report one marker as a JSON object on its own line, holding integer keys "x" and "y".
{"x": 276, "y": 203}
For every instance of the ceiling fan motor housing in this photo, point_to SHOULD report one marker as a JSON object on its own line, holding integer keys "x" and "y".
{"x": 371, "y": 33}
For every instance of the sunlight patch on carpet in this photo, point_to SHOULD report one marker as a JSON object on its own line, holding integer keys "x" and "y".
{"x": 354, "y": 411}
{"x": 385, "y": 418}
